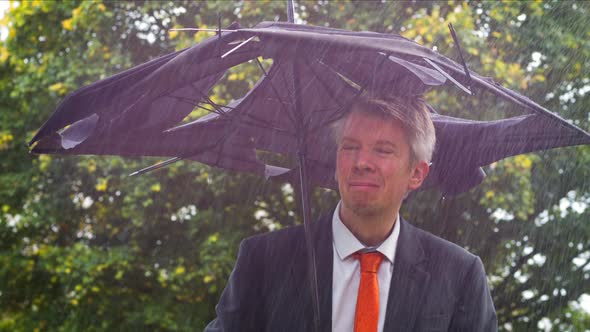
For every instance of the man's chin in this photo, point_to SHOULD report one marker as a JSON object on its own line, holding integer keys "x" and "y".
{"x": 365, "y": 209}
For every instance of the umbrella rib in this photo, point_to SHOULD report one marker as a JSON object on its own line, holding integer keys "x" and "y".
{"x": 237, "y": 47}
{"x": 315, "y": 74}
{"x": 173, "y": 160}
{"x": 274, "y": 89}
{"x": 156, "y": 166}
{"x": 346, "y": 79}
{"x": 447, "y": 75}
{"x": 206, "y": 109}
{"x": 208, "y": 100}
{"x": 265, "y": 126}
{"x": 196, "y": 102}
{"x": 261, "y": 67}
{"x": 516, "y": 98}
{"x": 287, "y": 110}
{"x": 198, "y": 29}
{"x": 219, "y": 110}
{"x": 456, "y": 40}
{"x": 338, "y": 115}
{"x": 176, "y": 159}
{"x": 186, "y": 100}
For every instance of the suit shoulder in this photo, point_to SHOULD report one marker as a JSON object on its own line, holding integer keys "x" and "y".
{"x": 292, "y": 236}
{"x": 277, "y": 239}
{"x": 439, "y": 248}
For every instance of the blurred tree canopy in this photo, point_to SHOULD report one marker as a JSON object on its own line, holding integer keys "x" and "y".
{"x": 84, "y": 247}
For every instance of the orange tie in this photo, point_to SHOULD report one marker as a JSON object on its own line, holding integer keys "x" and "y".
{"x": 367, "y": 303}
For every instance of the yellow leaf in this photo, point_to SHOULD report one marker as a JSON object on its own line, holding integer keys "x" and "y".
{"x": 179, "y": 270}
{"x": 59, "y": 88}
{"x": 208, "y": 279}
{"x": 172, "y": 34}
{"x": 56, "y": 87}
{"x": 101, "y": 7}
{"x": 410, "y": 34}
{"x": 44, "y": 162}
{"x": 155, "y": 187}
{"x": 538, "y": 78}
{"x": 101, "y": 185}
{"x": 76, "y": 12}
{"x": 232, "y": 77}
{"x": 422, "y": 30}
{"x": 5, "y": 139}
{"x": 514, "y": 69}
{"x": 67, "y": 24}
{"x": 3, "y": 54}
{"x": 213, "y": 238}
{"x": 527, "y": 163}
{"x": 91, "y": 167}
{"x": 523, "y": 161}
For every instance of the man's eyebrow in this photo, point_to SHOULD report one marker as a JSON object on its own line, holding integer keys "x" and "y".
{"x": 348, "y": 139}
{"x": 386, "y": 142}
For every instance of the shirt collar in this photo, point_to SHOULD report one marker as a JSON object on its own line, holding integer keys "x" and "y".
{"x": 347, "y": 244}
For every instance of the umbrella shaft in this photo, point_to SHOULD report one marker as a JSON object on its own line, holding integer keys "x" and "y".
{"x": 290, "y": 11}
{"x": 305, "y": 207}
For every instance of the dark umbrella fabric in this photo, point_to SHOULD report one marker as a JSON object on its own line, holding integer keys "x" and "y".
{"x": 316, "y": 73}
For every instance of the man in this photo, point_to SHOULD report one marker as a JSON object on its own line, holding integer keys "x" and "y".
{"x": 376, "y": 272}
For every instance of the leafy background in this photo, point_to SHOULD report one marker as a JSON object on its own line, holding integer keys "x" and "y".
{"x": 85, "y": 247}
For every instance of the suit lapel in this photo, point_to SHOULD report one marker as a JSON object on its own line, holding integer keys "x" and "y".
{"x": 299, "y": 288}
{"x": 408, "y": 282}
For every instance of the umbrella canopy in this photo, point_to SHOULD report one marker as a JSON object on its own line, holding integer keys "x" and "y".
{"x": 316, "y": 73}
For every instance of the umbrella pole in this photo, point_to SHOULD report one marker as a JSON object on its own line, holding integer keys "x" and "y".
{"x": 304, "y": 188}
{"x": 306, "y": 214}
{"x": 290, "y": 11}
{"x": 304, "y": 193}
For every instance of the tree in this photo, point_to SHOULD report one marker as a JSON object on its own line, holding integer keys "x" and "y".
{"x": 84, "y": 247}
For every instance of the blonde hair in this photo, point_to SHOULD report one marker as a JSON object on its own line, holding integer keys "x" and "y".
{"x": 410, "y": 111}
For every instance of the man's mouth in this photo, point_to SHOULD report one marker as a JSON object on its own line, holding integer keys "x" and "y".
{"x": 362, "y": 184}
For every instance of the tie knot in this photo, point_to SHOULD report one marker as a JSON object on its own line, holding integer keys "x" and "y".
{"x": 370, "y": 261}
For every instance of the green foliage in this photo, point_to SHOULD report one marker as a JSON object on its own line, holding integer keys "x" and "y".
{"x": 85, "y": 247}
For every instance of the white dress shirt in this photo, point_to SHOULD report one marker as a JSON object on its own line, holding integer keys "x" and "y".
{"x": 346, "y": 273}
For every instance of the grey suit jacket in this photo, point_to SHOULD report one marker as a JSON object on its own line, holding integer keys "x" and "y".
{"x": 436, "y": 285}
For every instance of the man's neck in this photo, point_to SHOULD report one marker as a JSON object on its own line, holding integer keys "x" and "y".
{"x": 370, "y": 229}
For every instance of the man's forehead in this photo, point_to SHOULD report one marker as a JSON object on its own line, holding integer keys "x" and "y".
{"x": 378, "y": 128}
{"x": 357, "y": 119}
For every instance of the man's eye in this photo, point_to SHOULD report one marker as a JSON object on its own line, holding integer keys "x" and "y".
{"x": 384, "y": 151}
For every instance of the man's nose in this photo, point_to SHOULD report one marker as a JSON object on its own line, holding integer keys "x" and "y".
{"x": 364, "y": 161}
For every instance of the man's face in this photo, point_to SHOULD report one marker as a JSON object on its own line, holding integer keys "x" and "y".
{"x": 373, "y": 165}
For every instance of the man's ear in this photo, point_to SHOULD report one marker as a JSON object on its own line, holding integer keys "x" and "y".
{"x": 419, "y": 173}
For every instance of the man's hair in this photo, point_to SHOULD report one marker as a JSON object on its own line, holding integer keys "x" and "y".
{"x": 410, "y": 111}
